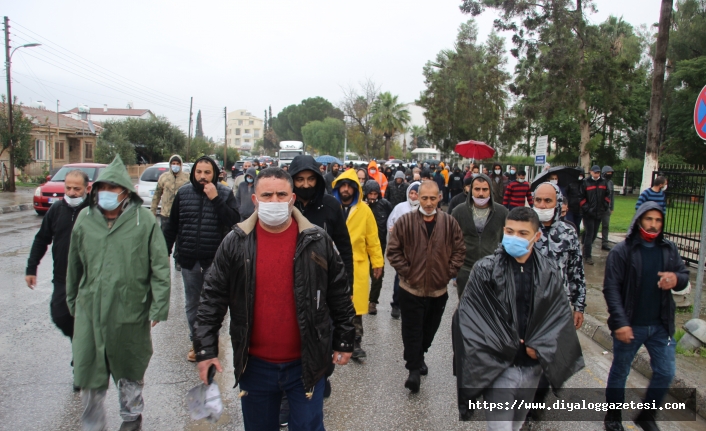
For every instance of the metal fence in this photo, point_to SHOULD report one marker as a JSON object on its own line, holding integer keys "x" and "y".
{"x": 685, "y": 206}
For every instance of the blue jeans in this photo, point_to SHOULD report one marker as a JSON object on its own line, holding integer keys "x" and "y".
{"x": 662, "y": 350}
{"x": 396, "y": 292}
{"x": 193, "y": 284}
{"x": 575, "y": 218}
{"x": 265, "y": 382}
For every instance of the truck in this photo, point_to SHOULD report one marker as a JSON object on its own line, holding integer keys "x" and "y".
{"x": 288, "y": 150}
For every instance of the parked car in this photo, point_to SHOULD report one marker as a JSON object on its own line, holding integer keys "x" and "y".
{"x": 53, "y": 190}
{"x": 148, "y": 182}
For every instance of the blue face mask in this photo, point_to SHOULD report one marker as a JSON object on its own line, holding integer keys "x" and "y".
{"x": 512, "y": 171}
{"x": 248, "y": 179}
{"x": 515, "y": 246}
{"x": 176, "y": 168}
{"x": 109, "y": 200}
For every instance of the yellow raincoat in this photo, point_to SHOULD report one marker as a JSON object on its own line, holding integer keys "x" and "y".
{"x": 365, "y": 242}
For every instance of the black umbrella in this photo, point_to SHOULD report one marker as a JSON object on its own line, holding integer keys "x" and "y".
{"x": 566, "y": 176}
{"x": 431, "y": 161}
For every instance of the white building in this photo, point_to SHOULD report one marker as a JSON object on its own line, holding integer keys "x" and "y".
{"x": 243, "y": 129}
{"x": 416, "y": 114}
{"x": 107, "y": 114}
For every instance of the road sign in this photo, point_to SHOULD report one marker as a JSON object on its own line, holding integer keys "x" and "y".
{"x": 700, "y": 114}
{"x": 540, "y": 154}
{"x": 540, "y": 160}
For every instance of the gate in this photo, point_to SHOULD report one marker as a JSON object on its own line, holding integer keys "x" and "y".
{"x": 685, "y": 206}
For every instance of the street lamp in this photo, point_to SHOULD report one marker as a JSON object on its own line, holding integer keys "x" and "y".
{"x": 10, "y": 120}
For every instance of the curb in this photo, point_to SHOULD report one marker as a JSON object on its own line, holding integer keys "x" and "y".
{"x": 681, "y": 389}
{"x": 16, "y": 208}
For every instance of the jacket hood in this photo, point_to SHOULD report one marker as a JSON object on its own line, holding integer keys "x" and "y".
{"x": 307, "y": 163}
{"x": 252, "y": 172}
{"x": 416, "y": 183}
{"x": 559, "y": 200}
{"x": 606, "y": 169}
{"x": 176, "y": 157}
{"x": 634, "y": 224}
{"x": 216, "y": 172}
{"x": 349, "y": 175}
{"x": 373, "y": 165}
{"x": 370, "y": 186}
{"x": 115, "y": 173}
{"x": 469, "y": 196}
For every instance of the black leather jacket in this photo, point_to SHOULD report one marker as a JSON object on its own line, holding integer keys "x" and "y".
{"x": 320, "y": 292}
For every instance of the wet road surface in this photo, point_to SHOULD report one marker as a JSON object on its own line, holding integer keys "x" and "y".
{"x": 36, "y": 377}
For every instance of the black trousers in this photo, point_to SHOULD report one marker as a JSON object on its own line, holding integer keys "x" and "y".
{"x": 60, "y": 310}
{"x": 591, "y": 225}
{"x": 421, "y": 317}
{"x": 164, "y": 225}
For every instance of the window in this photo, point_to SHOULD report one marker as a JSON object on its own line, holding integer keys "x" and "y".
{"x": 251, "y": 122}
{"x": 257, "y": 132}
{"x": 237, "y": 141}
{"x": 40, "y": 147}
{"x": 89, "y": 151}
{"x": 247, "y": 131}
{"x": 240, "y": 122}
{"x": 247, "y": 141}
{"x": 237, "y": 132}
{"x": 59, "y": 150}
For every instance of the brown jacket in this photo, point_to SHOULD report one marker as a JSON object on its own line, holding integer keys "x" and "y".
{"x": 425, "y": 265}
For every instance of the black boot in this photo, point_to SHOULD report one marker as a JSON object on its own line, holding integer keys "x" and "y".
{"x": 358, "y": 352}
{"x": 614, "y": 420}
{"x": 413, "y": 381}
{"x": 424, "y": 370}
{"x": 646, "y": 420}
{"x": 132, "y": 425}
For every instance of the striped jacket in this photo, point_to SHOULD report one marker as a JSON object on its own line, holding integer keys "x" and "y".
{"x": 516, "y": 193}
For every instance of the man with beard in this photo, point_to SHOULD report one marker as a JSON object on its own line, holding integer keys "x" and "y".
{"x": 202, "y": 214}
{"x": 365, "y": 243}
{"x": 640, "y": 274}
{"x": 329, "y": 177}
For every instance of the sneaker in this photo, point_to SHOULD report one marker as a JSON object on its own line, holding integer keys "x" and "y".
{"x": 76, "y": 388}
{"x": 606, "y": 247}
{"x": 423, "y": 370}
{"x": 358, "y": 352}
{"x": 191, "y": 356}
{"x": 284, "y": 412}
{"x": 613, "y": 421}
{"x": 588, "y": 260}
{"x": 372, "y": 308}
{"x": 395, "y": 313}
{"x": 177, "y": 266}
{"x": 646, "y": 420}
{"x": 413, "y": 381}
{"x": 132, "y": 425}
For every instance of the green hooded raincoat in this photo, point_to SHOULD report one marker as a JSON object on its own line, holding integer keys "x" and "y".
{"x": 118, "y": 280}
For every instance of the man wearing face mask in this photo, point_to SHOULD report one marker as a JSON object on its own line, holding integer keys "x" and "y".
{"x": 117, "y": 281}
{"x": 243, "y": 200}
{"x": 56, "y": 230}
{"x": 240, "y": 178}
{"x": 607, "y": 173}
{"x": 511, "y": 174}
{"x": 595, "y": 202}
{"x": 573, "y": 197}
{"x": 656, "y": 193}
{"x": 481, "y": 221}
{"x": 166, "y": 190}
{"x": 455, "y": 184}
{"x": 512, "y": 324}
{"x": 461, "y": 197}
{"x": 367, "y": 250}
{"x": 426, "y": 248}
{"x": 517, "y": 192}
{"x": 375, "y": 174}
{"x": 381, "y": 209}
{"x": 203, "y": 213}
{"x": 498, "y": 182}
{"x": 640, "y": 274}
{"x": 282, "y": 327}
{"x": 329, "y": 177}
{"x": 397, "y": 190}
{"x": 411, "y": 204}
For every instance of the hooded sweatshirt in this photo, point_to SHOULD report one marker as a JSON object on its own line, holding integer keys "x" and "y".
{"x": 200, "y": 222}
{"x": 611, "y": 186}
{"x": 377, "y": 176}
{"x": 560, "y": 242}
{"x": 403, "y": 208}
{"x": 167, "y": 186}
{"x": 324, "y": 211}
{"x": 243, "y": 200}
{"x": 382, "y": 208}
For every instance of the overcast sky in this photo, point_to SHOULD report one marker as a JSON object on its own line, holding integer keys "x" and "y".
{"x": 238, "y": 54}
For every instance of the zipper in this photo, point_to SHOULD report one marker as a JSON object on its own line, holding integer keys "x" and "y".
{"x": 198, "y": 230}
{"x": 247, "y": 323}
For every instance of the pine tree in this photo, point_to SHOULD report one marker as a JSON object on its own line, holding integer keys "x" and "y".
{"x": 199, "y": 126}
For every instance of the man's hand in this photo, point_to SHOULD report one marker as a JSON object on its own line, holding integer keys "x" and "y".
{"x": 154, "y": 323}
{"x": 578, "y": 319}
{"x": 668, "y": 280}
{"x": 211, "y": 191}
{"x": 530, "y": 351}
{"x": 624, "y": 334}
{"x": 31, "y": 281}
{"x": 203, "y": 367}
{"x": 377, "y": 272}
{"x": 341, "y": 358}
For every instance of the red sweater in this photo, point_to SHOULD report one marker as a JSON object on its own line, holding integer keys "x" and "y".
{"x": 275, "y": 333}
{"x": 516, "y": 193}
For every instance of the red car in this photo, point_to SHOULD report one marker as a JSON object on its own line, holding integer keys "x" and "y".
{"x": 53, "y": 189}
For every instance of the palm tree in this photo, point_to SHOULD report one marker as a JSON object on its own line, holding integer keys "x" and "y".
{"x": 416, "y": 132}
{"x": 390, "y": 117}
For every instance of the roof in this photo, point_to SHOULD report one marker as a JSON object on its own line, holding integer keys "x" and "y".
{"x": 84, "y": 165}
{"x": 115, "y": 111}
{"x": 43, "y": 116}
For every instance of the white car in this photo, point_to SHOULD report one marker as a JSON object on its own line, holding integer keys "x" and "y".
{"x": 148, "y": 183}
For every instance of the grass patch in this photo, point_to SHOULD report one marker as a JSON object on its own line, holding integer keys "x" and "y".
{"x": 678, "y": 334}
{"x": 623, "y": 212}
{"x": 685, "y": 310}
{"x": 680, "y": 215}
{"x": 702, "y": 352}
{"x": 21, "y": 184}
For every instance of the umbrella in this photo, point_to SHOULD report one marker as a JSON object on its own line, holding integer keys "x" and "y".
{"x": 474, "y": 150}
{"x": 328, "y": 159}
{"x": 566, "y": 176}
{"x": 431, "y": 161}
{"x": 394, "y": 162}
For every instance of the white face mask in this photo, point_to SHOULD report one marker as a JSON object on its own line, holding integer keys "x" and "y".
{"x": 520, "y": 180}
{"x": 544, "y": 214}
{"x": 664, "y": 188}
{"x": 580, "y": 177}
{"x": 413, "y": 204}
{"x": 421, "y": 210}
{"x": 273, "y": 213}
{"x": 74, "y": 202}
{"x": 497, "y": 171}
{"x": 555, "y": 182}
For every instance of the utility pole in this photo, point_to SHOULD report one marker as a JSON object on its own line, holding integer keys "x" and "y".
{"x": 11, "y": 179}
{"x": 188, "y": 140}
{"x": 225, "y": 137}
{"x": 57, "y": 130}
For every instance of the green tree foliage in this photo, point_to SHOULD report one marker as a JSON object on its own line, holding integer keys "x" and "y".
{"x": 113, "y": 142}
{"x": 232, "y": 154}
{"x": 199, "y": 126}
{"x": 326, "y": 136}
{"x": 390, "y": 117}
{"x": 289, "y": 122}
{"x": 202, "y": 147}
{"x": 356, "y": 105}
{"x": 466, "y": 94}
{"x": 154, "y": 140}
{"x": 21, "y": 134}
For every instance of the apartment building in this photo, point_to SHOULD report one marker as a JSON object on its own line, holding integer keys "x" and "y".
{"x": 243, "y": 129}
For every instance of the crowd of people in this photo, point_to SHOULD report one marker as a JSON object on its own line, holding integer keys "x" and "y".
{"x": 513, "y": 252}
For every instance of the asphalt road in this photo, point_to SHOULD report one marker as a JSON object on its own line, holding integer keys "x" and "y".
{"x": 35, "y": 372}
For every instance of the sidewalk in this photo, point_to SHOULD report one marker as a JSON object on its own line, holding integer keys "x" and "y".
{"x": 21, "y": 200}
{"x": 691, "y": 370}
